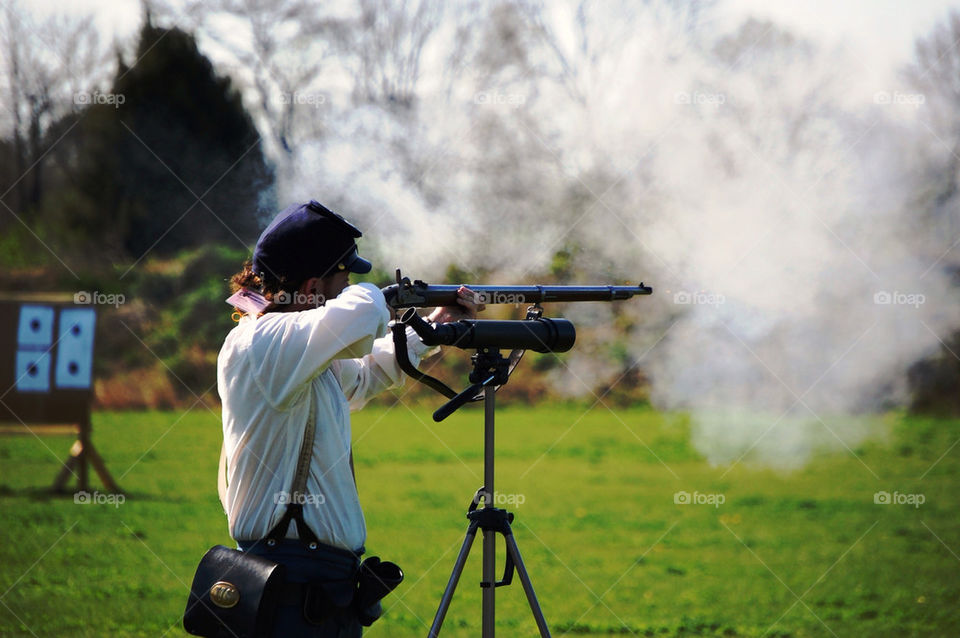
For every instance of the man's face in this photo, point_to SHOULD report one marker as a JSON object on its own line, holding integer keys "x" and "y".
{"x": 319, "y": 290}
{"x": 336, "y": 283}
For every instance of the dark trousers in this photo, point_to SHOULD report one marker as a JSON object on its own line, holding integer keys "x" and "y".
{"x": 330, "y": 567}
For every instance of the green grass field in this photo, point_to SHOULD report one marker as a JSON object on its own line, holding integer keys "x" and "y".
{"x": 806, "y": 553}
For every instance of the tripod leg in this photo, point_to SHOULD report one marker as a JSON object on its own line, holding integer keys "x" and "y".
{"x": 452, "y": 583}
{"x": 527, "y": 585}
{"x": 489, "y": 583}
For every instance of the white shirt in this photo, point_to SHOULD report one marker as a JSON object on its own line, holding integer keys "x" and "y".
{"x": 269, "y": 372}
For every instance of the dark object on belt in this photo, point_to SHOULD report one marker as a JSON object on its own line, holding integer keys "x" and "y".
{"x": 374, "y": 580}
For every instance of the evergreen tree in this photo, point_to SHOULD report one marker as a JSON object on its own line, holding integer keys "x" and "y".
{"x": 134, "y": 170}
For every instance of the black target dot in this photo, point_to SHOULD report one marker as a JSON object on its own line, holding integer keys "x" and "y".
{"x": 72, "y": 367}
{"x": 75, "y": 329}
{"x": 35, "y": 325}
{"x": 32, "y": 370}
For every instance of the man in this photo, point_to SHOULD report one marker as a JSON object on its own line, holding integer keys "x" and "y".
{"x": 313, "y": 349}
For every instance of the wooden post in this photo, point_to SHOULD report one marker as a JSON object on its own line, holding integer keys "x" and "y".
{"x": 96, "y": 460}
{"x": 69, "y": 468}
{"x": 82, "y": 452}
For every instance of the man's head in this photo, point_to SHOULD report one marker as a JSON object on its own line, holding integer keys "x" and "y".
{"x": 303, "y": 258}
{"x": 304, "y": 241}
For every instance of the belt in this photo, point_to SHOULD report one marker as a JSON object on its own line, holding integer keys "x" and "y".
{"x": 294, "y": 544}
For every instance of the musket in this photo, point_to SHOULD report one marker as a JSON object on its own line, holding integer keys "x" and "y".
{"x": 534, "y": 333}
{"x": 419, "y": 294}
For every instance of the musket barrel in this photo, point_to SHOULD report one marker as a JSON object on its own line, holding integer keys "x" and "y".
{"x": 419, "y": 294}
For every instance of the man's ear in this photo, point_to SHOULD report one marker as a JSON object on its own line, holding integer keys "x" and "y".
{"x": 312, "y": 285}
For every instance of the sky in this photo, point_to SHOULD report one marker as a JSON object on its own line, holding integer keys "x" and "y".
{"x": 878, "y": 34}
{"x": 884, "y": 30}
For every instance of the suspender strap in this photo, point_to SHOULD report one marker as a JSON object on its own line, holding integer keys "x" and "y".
{"x": 306, "y": 452}
{"x": 296, "y": 497}
{"x": 222, "y": 476}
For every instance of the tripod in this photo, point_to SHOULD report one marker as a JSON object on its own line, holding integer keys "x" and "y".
{"x": 490, "y": 369}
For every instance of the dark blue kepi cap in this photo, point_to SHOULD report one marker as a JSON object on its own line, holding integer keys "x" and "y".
{"x": 307, "y": 240}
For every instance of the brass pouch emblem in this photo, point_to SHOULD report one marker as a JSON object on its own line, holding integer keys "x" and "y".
{"x": 224, "y": 594}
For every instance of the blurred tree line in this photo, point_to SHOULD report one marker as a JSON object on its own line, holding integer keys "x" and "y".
{"x": 166, "y": 158}
{"x": 148, "y": 188}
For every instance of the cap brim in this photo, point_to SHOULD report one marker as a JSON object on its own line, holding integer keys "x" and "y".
{"x": 356, "y": 263}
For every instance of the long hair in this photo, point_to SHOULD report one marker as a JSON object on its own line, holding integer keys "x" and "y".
{"x": 267, "y": 286}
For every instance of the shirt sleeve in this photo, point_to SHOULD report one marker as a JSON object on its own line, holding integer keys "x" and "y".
{"x": 364, "y": 377}
{"x": 289, "y": 349}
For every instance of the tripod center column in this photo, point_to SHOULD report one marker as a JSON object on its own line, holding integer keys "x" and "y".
{"x": 489, "y": 536}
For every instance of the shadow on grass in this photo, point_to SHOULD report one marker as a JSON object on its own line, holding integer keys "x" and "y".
{"x": 48, "y": 494}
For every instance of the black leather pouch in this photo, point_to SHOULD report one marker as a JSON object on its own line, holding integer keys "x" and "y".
{"x": 234, "y": 594}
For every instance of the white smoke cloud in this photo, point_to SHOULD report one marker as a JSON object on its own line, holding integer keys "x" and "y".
{"x": 752, "y": 178}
